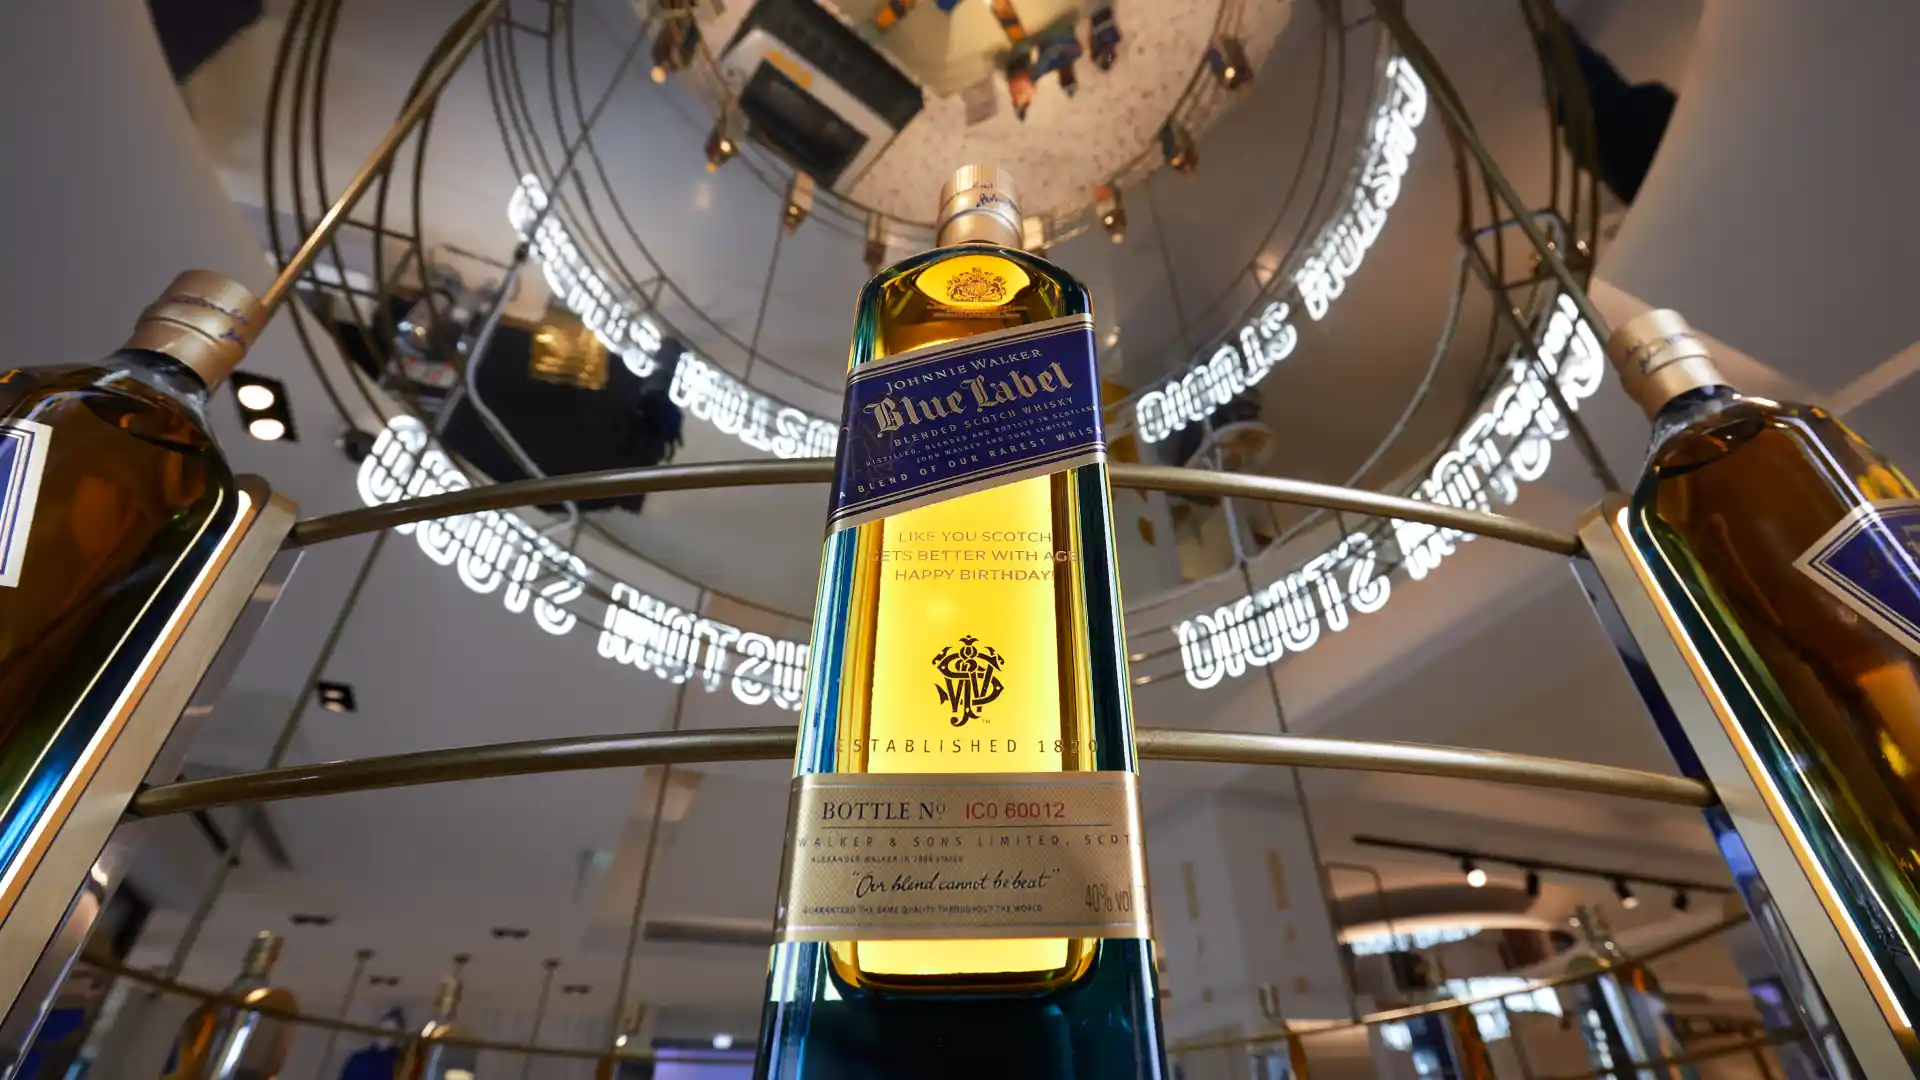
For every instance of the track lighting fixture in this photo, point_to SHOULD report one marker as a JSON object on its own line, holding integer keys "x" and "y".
{"x": 1681, "y": 901}
{"x": 1625, "y": 892}
{"x": 1476, "y": 877}
{"x": 674, "y": 44}
{"x": 799, "y": 202}
{"x": 1227, "y": 59}
{"x": 1112, "y": 212}
{"x": 1533, "y": 884}
{"x": 721, "y": 145}
{"x": 1176, "y": 146}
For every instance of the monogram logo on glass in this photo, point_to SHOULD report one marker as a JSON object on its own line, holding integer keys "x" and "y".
{"x": 969, "y": 678}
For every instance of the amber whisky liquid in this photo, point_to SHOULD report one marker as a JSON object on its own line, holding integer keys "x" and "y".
{"x": 133, "y": 497}
{"x": 1735, "y": 491}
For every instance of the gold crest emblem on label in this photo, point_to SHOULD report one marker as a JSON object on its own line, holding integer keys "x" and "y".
{"x": 974, "y": 285}
{"x": 972, "y": 282}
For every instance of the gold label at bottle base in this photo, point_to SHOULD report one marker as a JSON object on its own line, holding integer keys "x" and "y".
{"x": 930, "y": 856}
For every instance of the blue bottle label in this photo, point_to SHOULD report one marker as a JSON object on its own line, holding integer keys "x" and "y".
{"x": 1870, "y": 561}
{"x": 946, "y": 420}
{"x": 23, "y": 457}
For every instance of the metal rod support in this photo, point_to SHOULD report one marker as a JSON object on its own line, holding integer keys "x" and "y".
{"x": 1394, "y": 16}
{"x": 481, "y": 17}
{"x": 1549, "y": 379}
{"x": 776, "y": 743}
{"x": 613, "y": 483}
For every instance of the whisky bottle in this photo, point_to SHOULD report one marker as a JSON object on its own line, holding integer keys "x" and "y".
{"x": 113, "y": 498}
{"x": 630, "y": 1057}
{"x": 430, "y": 1056}
{"x": 1790, "y": 552}
{"x": 234, "y": 1039}
{"x": 963, "y": 889}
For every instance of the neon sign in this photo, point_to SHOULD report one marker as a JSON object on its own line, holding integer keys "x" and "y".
{"x": 498, "y": 553}
{"x": 1251, "y": 352}
{"x": 699, "y": 386}
{"x": 1508, "y": 442}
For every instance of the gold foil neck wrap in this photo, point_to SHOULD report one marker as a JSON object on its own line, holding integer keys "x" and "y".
{"x": 941, "y": 856}
{"x": 1659, "y": 357}
{"x": 979, "y": 203}
{"x": 204, "y": 320}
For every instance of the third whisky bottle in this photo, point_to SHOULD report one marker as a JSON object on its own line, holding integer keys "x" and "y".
{"x": 113, "y": 498}
{"x": 1790, "y": 551}
{"x": 964, "y": 892}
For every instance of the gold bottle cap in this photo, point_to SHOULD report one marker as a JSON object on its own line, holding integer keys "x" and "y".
{"x": 261, "y": 954}
{"x": 1659, "y": 358}
{"x": 979, "y": 203}
{"x": 204, "y": 320}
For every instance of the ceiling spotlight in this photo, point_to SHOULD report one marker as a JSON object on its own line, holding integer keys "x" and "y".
{"x": 1476, "y": 877}
{"x": 1103, "y": 34}
{"x": 1112, "y": 212}
{"x": 1625, "y": 892}
{"x": 1033, "y": 235}
{"x": 799, "y": 202}
{"x": 263, "y": 406}
{"x": 1533, "y": 884}
{"x": 1176, "y": 146}
{"x": 619, "y": 1041}
{"x": 720, "y": 144}
{"x": 1681, "y": 901}
{"x": 255, "y": 396}
{"x": 723, "y": 1041}
{"x": 336, "y": 697}
{"x": 1227, "y": 59}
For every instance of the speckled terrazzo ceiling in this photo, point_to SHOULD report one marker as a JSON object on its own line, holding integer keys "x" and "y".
{"x": 1066, "y": 145}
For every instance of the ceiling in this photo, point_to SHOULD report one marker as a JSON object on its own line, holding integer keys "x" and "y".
{"x": 1494, "y": 650}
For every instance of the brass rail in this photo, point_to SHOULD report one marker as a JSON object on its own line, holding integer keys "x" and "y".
{"x": 1384, "y": 1016}
{"x": 174, "y": 986}
{"x": 166, "y": 985}
{"x": 608, "y": 483}
{"x": 776, "y": 743}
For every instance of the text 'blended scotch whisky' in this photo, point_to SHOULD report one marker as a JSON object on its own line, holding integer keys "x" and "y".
{"x": 113, "y": 499}
{"x": 964, "y": 889}
{"x": 234, "y": 1040}
{"x": 1789, "y": 551}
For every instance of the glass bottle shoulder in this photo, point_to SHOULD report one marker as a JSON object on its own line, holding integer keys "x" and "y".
{"x": 151, "y": 398}
{"x": 1722, "y": 426}
{"x": 956, "y": 292}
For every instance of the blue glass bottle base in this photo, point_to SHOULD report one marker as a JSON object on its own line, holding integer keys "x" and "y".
{"x": 1105, "y": 1026}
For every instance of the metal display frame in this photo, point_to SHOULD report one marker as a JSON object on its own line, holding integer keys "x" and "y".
{"x": 44, "y": 926}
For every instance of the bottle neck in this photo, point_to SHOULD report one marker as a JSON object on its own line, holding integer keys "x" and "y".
{"x": 1686, "y": 409}
{"x": 162, "y": 373}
